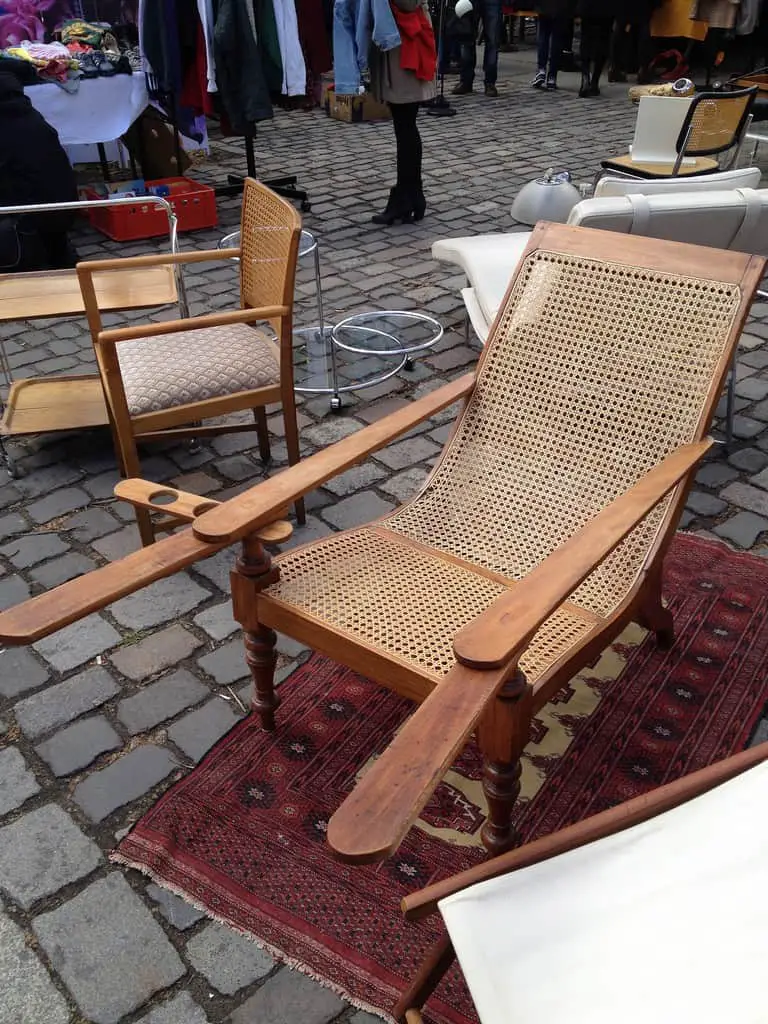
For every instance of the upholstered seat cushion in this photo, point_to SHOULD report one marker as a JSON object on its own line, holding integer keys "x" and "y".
{"x": 666, "y": 922}
{"x": 165, "y": 371}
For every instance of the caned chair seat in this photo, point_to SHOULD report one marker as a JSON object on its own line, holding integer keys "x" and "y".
{"x": 165, "y": 371}
{"x": 663, "y": 922}
{"x": 698, "y": 165}
{"x": 379, "y": 588}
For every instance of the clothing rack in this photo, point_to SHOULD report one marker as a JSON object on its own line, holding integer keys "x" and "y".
{"x": 285, "y": 186}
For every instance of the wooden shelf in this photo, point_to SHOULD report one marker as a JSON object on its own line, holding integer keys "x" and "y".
{"x": 55, "y": 293}
{"x": 47, "y": 404}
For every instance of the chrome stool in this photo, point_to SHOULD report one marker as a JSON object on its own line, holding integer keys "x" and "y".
{"x": 308, "y": 245}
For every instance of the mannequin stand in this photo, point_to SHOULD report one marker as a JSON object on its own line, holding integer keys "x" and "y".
{"x": 285, "y": 186}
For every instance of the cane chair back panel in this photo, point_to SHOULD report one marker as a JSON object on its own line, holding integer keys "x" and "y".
{"x": 269, "y": 241}
{"x": 716, "y": 121}
{"x": 594, "y": 372}
{"x": 406, "y": 601}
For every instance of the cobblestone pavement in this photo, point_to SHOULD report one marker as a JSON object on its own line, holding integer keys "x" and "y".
{"x": 96, "y": 722}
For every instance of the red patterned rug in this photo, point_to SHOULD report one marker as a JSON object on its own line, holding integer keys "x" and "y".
{"x": 242, "y": 836}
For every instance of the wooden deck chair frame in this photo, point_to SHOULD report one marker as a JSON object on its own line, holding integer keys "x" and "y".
{"x": 494, "y": 685}
{"x": 270, "y": 230}
{"x": 424, "y": 903}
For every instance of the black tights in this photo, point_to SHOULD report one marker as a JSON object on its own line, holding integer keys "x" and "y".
{"x": 408, "y": 145}
{"x": 595, "y": 43}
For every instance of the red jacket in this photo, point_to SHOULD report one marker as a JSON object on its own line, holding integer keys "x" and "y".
{"x": 417, "y": 50}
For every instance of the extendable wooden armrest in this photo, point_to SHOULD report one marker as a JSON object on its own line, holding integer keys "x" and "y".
{"x": 187, "y": 506}
{"x": 71, "y": 601}
{"x": 373, "y": 820}
{"x": 641, "y": 808}
{"x": 241, "y": 515}
{"x": 504, "y": 630}
{"x": 155, "y": 260}
{"x": 192, "y": 323}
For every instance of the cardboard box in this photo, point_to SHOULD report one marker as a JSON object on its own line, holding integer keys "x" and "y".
{"x": 354, "y": 108}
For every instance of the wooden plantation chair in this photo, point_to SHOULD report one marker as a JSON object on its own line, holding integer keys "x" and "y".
{"x": 160, "y": 379}
{"x": 539, "y": 535}
{"x": 654, "y": 910}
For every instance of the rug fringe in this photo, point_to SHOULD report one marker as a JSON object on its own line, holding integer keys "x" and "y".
{"x": 274, "y": 951}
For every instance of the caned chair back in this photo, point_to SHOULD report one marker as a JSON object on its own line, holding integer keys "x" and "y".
{"x": 715, "y": 121}
{"x": 269, "y": 241}
{"x": 606, "y": 355}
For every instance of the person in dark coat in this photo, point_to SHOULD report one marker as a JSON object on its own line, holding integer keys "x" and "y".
{"x": 632, "y": 45}
{"x": 33, "y": 169}
{"x": 554, "y": 18}
{"x": 597, "y": 18}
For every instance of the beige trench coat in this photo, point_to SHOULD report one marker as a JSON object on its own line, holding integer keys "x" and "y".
{"x": 390, "y": 83}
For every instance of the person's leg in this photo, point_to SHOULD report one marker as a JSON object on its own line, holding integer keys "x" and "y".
{"x": 620, "y": 42}
{"x": 567, "y": 58}
{"x": 587, "y": 54}
{"x": 543, "y": 39}
{"x": 644, "y": 51}
{"x": 492, "y": 29}
{"x": 469, "y": 55}
{"x": 406, "y": 199}
{"x": 600, "y": 51}
{"x": 555, "y": 52}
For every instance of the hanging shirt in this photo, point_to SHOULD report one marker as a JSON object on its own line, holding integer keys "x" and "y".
{"x": 357, "y": 24}
{"x": 205, "y": 10}
{"x": 294, "y": 69}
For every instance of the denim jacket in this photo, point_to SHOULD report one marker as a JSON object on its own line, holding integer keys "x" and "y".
{"x": 356, "y": 24}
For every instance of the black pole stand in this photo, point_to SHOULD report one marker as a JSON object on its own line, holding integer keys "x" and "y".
{"x": 285, "y": 186}
{"x": 439, "y": 106}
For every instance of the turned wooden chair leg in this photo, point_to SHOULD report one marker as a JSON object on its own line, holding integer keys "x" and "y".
{"x": 654, "y": 616}
{"x": 438, "y": 960}
{"x": 261, "y": 657}
{"x": 262, "y": 432}
{"x": 252, "y": 573}
{"x": 502, "y": 734}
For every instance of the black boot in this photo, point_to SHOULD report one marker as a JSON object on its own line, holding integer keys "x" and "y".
{"x": 586, "y": 81}
{"x": 418, "y": 203}
{"x": 399, "y": 207}
{"x": 594, "y": 82}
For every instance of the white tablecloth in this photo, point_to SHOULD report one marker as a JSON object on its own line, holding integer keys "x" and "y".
{"x": 101, "y": 110}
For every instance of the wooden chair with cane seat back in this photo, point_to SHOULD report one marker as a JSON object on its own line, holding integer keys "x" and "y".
{"x": 539, "y": 535}
{"x": 161, "y": 379}
{"x": 714, "y": 124}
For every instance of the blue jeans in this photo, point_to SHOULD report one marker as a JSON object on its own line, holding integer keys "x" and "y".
{"x": 489, "y": 12}
{"x": 549, "y": 39}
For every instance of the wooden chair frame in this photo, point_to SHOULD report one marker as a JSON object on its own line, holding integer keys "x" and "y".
{"x": 486, "y": 691}
{"x": 424, "y": 903}
{"x": 180, "y": 420}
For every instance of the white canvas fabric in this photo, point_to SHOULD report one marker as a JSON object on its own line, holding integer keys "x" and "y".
{"x": 665, "y": 923}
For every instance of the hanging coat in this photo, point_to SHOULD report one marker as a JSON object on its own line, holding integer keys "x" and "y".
{"x": 242, "y": 88}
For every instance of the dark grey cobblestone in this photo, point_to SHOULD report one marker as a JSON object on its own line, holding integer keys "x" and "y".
{"x": 126, "y": 959}
{"x": 78, "y": 745}
{"x": 121, "y": 782}
{"x": 150, "y": 667}
{"x": 160, "y": 701}
{"x": 43, "y": 851}
{"x": 228, "y": 960}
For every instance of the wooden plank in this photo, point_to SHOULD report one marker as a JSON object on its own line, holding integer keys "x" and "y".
{"x": 501, "y": 634}
{"x": 31, "y": 620}
{"x": 55, "y": 293}
{"x": 47, "y": 404}
{"x": 261, "y": 504}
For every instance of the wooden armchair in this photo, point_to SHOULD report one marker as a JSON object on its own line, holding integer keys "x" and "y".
{"x": 160, "y": 380}
{"x": 539, "y": 535}
{"x": 654, "y": 910}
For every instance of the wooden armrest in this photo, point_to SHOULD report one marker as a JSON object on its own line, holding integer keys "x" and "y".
{"x": 239, "y": 516}
{"x": 89, "y": 267}
{"x": 373, "y": 820}
{"x": 71, "y": 601}
{"x": 193, "y": 323}
{"x": 187, "y": 506}
{"x": 501, "y": 633}
{"x": 423, "y": 903}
